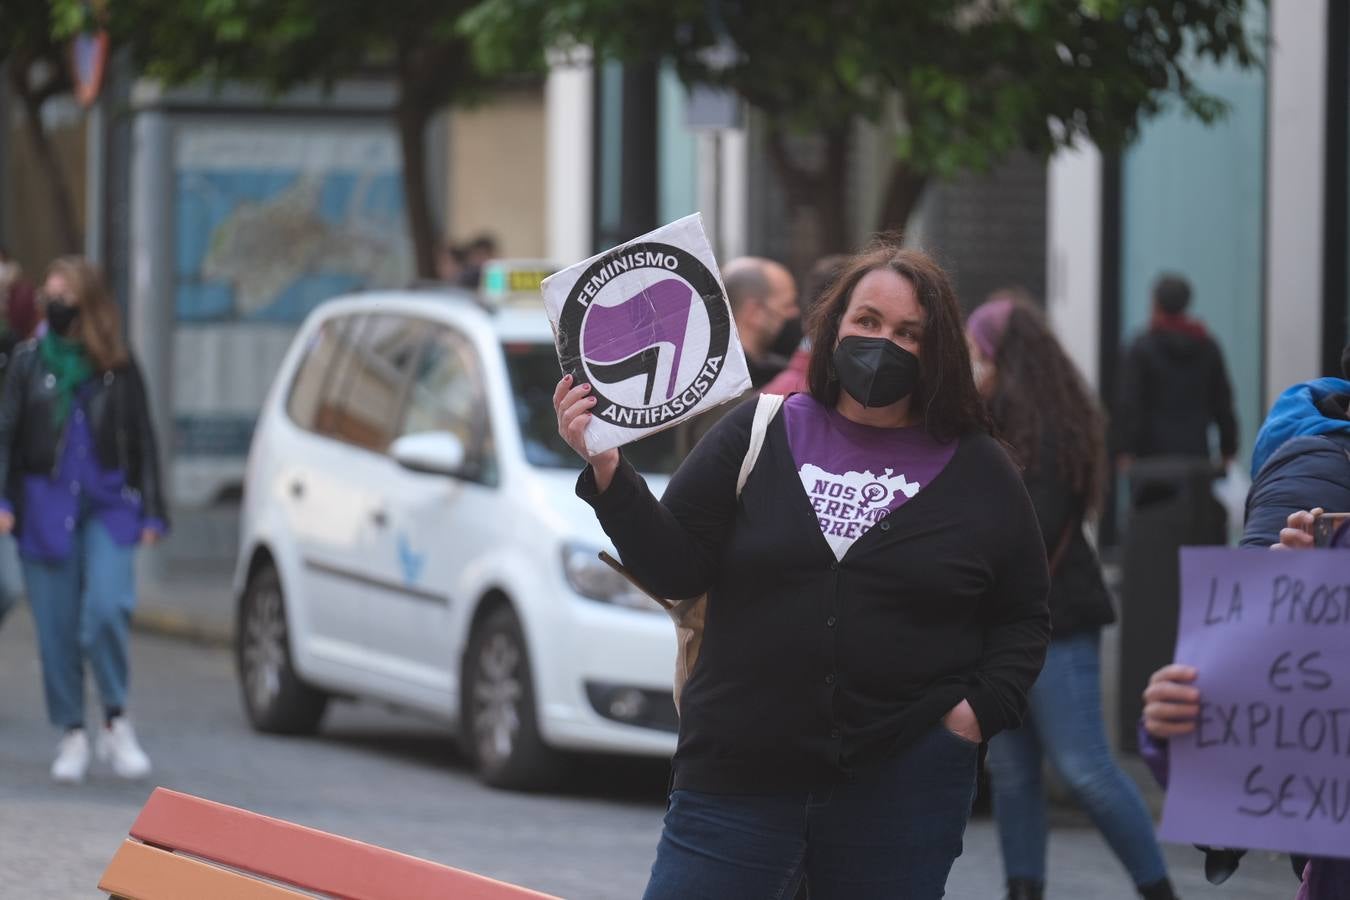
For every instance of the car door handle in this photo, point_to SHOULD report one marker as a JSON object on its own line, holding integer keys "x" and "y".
{"x": 297, "y": 489}
{"x": 380, "y": 518}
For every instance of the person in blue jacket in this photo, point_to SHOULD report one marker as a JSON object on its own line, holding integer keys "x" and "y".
{"x": 1171, "y": 708}
{"x": 1301, "y": 461}
{"x": 1300, "y": 458}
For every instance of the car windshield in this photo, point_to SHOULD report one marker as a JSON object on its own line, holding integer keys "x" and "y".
{"x": 533, "y": 370}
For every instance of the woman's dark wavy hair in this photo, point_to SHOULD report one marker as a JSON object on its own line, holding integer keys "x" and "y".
{"x": 1037, "y": 386}
{"x": 946, "y": 395}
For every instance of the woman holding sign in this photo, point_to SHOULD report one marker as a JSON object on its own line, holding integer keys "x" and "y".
{"x": 876, "y": 604}
{"x": 1044, "y": 410}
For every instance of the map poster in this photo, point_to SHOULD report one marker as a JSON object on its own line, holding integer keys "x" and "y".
{"x": 270, "y": 220}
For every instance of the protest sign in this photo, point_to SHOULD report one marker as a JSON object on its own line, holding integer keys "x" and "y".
{"x": 648, "y": 326}
{"x": 1268, "y": 766}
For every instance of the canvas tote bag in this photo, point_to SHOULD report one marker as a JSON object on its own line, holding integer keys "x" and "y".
{"x": 690, "y": 615}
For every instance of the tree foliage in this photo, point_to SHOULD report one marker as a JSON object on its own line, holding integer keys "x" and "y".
{"x": 962, "y": 83}
{"x": 283, "y": 44}
{"x": 36, "y": 67}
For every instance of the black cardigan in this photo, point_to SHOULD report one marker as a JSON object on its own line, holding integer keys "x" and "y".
{"x": 812, "y": 668}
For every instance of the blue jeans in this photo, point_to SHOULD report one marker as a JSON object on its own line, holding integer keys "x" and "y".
{"x": 82, "y": 608}
{"x": 1065, "y": 724}
{"x": 892, "y": 832}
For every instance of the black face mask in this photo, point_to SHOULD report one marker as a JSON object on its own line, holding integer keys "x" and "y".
{"x": 875, "y": 371}
{"x": 789, "y": 338}
{"x": 61, "y": 317}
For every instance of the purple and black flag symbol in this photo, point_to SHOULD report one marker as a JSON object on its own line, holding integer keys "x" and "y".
{"x": 625, "y": 340}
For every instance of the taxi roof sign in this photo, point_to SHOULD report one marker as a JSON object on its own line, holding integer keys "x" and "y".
{"x": 514, "y": 280}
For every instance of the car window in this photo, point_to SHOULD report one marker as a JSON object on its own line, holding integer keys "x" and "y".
{"x": 533, "y": 370}
{"x": 448, "y": 394}
{"x": 321, "y": 354}
{"x": 366, "y": 393}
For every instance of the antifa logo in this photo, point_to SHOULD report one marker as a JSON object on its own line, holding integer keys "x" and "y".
{"x": 630, "y": 319}
{"x": 641, "y": 325}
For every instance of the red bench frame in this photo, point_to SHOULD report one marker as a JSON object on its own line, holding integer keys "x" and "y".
{"x": 184, "y": 846}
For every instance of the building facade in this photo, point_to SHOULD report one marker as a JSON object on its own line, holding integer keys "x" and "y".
{"x": 1252, "y": 210}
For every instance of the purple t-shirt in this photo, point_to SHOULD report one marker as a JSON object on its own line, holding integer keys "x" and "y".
{"x": 855, "y": 475}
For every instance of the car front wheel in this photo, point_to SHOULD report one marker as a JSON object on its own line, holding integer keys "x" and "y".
{"x": 501, "y": 729}
{"x": 276, "y": 699}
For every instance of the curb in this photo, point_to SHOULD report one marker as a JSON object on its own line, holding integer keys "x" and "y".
{"x": 169, "y": 623}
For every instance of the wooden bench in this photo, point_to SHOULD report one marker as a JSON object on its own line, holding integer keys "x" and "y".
{"x": 183, "y": 846}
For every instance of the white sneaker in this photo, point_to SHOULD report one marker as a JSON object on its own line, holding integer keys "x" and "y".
{"x": 117, "y": 744}
{"x": 72, "y": 758}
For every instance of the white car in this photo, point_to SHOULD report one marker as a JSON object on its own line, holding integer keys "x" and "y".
{"x": 410, "y": 534}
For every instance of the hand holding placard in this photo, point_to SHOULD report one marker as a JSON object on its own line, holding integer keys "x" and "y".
{"x": 573, "y": 405}
{"x": 647, "y": 327}
{"x": 1171, "y": 701}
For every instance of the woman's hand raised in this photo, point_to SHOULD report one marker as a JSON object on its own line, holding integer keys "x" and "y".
{"x": 573, "y": 406}
{"x": 1298, "y": 535}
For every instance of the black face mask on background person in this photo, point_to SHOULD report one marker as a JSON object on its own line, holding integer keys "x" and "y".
{"x": 789, "y": 338}
{"x": 61, "y": 317}
{"x": 875, "y": 371}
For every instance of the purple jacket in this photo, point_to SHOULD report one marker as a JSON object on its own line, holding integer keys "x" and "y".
{"x": 1323, "y": 879}
{"x": 80, "y": 487}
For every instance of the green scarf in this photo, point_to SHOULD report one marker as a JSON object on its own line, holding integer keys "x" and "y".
{"x": 70, "y": 365}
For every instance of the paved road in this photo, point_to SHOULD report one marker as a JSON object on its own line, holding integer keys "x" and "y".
{"x": 399, "y": 782}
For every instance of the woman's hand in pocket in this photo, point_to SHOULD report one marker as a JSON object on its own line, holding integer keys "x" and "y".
{"x": 960, "y": 720}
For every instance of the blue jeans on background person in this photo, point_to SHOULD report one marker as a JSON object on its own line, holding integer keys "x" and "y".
{"x": 11, "y": 575}
{"x": 82, "y": 609}
{"x": 1065, "y": 724}
{"x": 892, "y": 832}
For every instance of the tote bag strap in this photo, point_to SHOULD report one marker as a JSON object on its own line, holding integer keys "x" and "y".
{"x": 765, "y": 409}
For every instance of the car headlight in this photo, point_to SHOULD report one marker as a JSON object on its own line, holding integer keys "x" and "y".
{"x": 594, "y": 580}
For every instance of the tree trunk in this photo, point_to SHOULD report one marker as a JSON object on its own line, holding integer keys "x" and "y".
{"x": 820, "y": 195}
{"x": 63, "y": 207}
{"x": 412, "y": 126}
{"x": 903, "y": 192}
{"x": 832, "y": 194}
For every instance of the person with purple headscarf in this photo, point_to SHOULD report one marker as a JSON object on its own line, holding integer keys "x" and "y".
{"x": 1044, "y": 410}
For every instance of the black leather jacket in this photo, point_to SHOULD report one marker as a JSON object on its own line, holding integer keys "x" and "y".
{"x": 119, "y": 420}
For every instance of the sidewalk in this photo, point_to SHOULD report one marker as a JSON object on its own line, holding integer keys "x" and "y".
{"x": 193, "y": 602}
{"x": 185, "y": 583}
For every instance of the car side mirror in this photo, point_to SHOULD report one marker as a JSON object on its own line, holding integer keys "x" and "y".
{"x": 432, "y": 452}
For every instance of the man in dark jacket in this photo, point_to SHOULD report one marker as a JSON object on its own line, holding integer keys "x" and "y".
{"x": 1302, "y": 456}
{"x": 1174, "y": 385}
